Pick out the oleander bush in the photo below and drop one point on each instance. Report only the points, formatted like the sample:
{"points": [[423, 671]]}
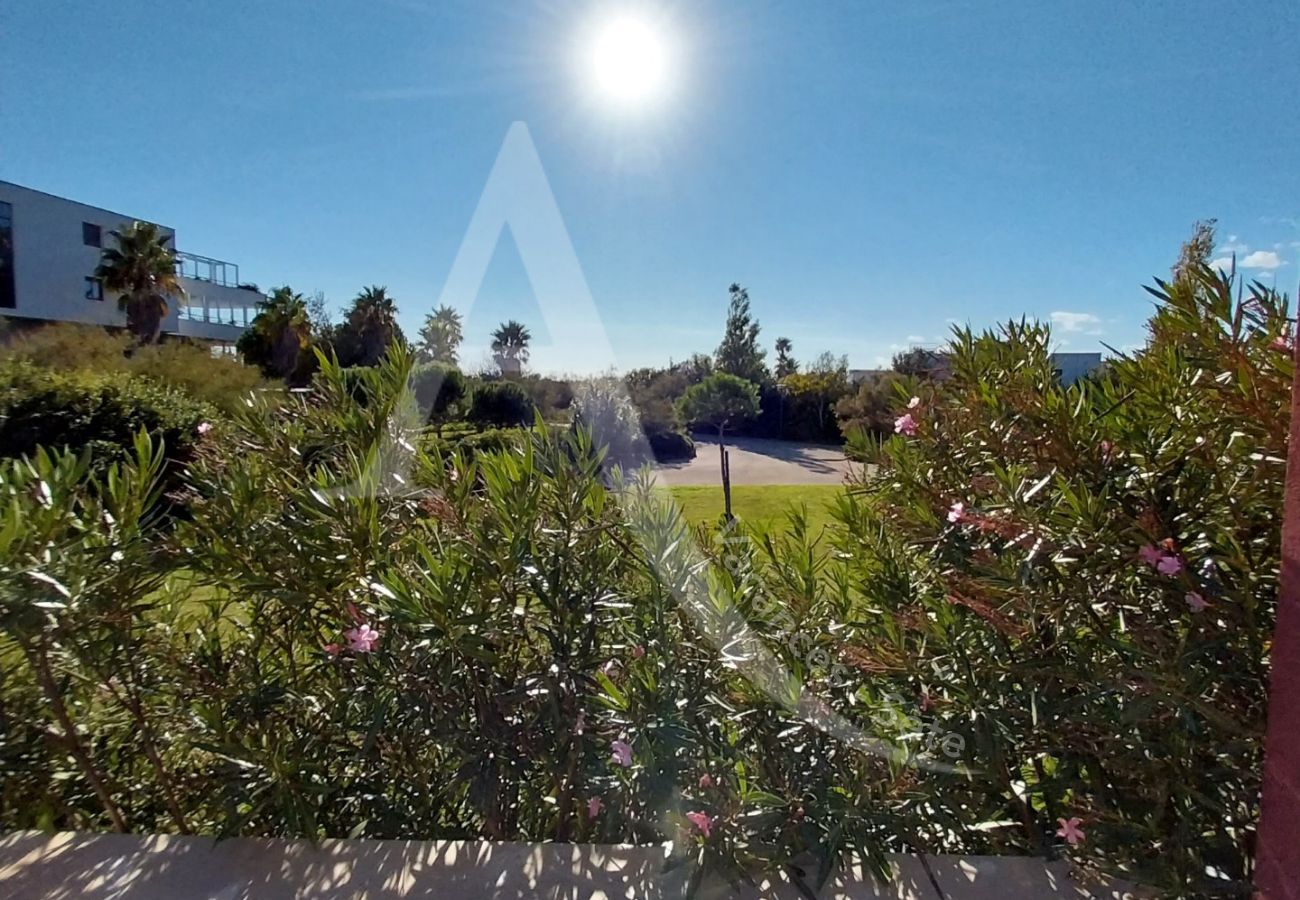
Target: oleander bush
{"points": [[1081, 583], [1040, 627]]}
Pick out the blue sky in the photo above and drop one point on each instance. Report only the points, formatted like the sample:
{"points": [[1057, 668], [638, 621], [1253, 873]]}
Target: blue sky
{"points": [[870, 171]]}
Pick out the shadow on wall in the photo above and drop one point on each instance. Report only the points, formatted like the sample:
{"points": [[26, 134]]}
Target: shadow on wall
{"points": [[126, 867]]}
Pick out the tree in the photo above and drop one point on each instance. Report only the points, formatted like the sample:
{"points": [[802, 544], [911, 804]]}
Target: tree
{"points": [[816, 391], [278, 336], [441, 335], [318, 313], [510, 346], [739, 353], [439, 389], [720, 401], [1196, 251], [918, 362], [872, 407], [368, 329], [785, 363], [695, 369], [141, 269]]}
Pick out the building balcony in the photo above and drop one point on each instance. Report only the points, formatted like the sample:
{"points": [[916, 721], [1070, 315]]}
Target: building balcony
{"points": [[209, 270]]}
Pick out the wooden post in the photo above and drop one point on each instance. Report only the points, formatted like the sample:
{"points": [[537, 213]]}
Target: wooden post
{"points": [[1277, 853], [726, 479]]}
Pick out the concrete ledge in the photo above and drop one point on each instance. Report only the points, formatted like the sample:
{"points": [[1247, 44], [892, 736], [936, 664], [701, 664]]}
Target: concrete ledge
{"points": [[66, 865]]}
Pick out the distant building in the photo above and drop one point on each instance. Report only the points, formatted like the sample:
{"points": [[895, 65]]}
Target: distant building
{"points": [[1070, 367], [50, 247]]}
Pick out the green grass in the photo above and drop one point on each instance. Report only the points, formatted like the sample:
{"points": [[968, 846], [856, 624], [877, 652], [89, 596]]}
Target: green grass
{"points": [[760, 506]]}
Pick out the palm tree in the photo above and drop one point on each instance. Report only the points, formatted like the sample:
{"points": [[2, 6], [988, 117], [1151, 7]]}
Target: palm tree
{"points": [[785, 364], [142, 271], [369, 327], [276, 338], [441, 335], [510, 346]]}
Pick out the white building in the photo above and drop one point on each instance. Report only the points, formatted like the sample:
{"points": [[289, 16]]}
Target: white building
{"points": [[50, 246]]}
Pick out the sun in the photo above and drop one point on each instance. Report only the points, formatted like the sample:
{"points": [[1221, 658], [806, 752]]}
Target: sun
{"points": [[629, 62]]}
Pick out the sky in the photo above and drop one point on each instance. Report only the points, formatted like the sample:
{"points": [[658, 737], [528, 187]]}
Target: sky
{"points": [[871, 172]]}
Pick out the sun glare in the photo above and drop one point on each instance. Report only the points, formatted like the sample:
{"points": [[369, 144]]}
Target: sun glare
{"points": [[629, 62]]}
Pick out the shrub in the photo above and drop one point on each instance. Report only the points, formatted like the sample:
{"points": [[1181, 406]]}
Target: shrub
{"points": [[671, 446], [871, 408], [221, 381], [103, 412], [477, 443], [1080, 583], [502, 404], [68, 345], [551, 396], [439, 390], [601, 407]]}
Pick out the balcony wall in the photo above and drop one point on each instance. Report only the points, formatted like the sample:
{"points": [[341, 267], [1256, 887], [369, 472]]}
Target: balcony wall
{"points": [[66, 865]]}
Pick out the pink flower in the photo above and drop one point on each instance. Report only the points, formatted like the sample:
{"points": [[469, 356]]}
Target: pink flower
{"points": [[622, 754], [1169, 565], [914, 403], [957, 512], [706, 780], [638, 651], [927, 702], [1070, 830], [1107, 451], [905, 424], [1195, 602], [333, 649], [204, 427], [1281, 343], [1151, 555], [703, 822], [362, 639], [594, 806]]}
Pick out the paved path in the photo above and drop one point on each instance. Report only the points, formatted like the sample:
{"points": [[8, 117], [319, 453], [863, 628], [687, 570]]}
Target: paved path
{"points": [[759, 461]]}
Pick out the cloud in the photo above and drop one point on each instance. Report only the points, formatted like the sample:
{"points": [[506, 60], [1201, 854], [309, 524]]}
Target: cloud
{"points": [[1223, 264], [1233, 245], [1261, 259], [1076, 322]]}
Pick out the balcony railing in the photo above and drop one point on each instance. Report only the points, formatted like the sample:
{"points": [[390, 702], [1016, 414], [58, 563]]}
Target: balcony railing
{"points": [[204, 268], [202, 311]]}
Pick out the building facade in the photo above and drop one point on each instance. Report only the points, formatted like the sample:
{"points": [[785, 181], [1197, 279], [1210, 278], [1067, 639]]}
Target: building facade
{"points": [[50, 247]]}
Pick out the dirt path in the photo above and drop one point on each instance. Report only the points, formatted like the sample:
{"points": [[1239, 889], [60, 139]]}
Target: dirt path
{"points": [[759, 461]]}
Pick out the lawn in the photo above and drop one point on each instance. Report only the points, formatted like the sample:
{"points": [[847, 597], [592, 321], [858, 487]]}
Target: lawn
{"points": [[762, 506]]}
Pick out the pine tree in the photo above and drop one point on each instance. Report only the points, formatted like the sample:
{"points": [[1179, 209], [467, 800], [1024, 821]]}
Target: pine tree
{"points": [[739, 353]]}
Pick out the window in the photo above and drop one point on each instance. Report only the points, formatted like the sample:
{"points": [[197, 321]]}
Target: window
{"points": [[7, 299], [94, 288], [91, 235]]}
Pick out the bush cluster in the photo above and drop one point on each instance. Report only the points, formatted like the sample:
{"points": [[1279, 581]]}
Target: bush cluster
{"points": [[1040, 625]]}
